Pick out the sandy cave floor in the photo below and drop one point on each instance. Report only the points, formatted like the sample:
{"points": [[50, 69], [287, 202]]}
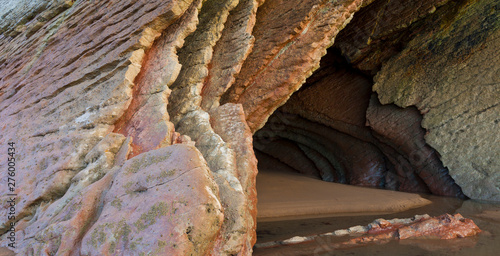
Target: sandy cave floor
{"points": [[286, 195]]}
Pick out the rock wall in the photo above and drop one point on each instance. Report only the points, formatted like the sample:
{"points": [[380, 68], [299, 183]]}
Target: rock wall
{"points": [[335, 129], [451, 73], [85, 100], [133, 120]]}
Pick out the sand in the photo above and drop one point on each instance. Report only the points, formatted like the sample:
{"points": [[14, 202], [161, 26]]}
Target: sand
{"points": [[286, 195]]}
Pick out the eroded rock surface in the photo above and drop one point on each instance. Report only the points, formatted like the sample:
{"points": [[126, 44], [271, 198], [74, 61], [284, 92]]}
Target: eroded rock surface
{"points": [[382, 231], [379, 31], [285, 55], [451, 74], [63, 89], [129, 116], [162, 202], [333, 129]]}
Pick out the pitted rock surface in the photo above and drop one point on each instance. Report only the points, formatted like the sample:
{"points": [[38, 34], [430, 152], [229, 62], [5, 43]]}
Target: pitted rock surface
{"points": [[131, 116]]}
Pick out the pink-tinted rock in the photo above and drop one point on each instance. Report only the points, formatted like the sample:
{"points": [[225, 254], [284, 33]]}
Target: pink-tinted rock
{"points": [[59, 227], [146, 119], [334, 93], [228, 121], [231, 50], [445, 226], [419, 228], [90, 92], [163, 201], [196, 57], [64, 87], [285, 55]]}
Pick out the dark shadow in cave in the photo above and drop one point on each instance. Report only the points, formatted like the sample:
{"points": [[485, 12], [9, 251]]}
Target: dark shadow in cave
{"points": [[335, 129]]}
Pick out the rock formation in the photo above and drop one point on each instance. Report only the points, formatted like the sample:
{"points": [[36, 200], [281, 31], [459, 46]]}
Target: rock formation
{"points": [[381, 231], [132, 121], [451, 74], [349, 137]]}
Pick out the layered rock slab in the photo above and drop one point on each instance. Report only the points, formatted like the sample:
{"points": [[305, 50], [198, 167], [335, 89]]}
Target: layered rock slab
{"points": [[59, 227], [224, 140], [57, 107], [146, 120], [451, 74], [161, 202], [379, 30], [230, 52], [290, 39]]}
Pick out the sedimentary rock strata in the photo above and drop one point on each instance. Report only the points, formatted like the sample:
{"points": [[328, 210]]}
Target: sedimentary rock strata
{"points": [[64, 87], [380, 31], [349, 137], [285, 55], [452, 76], [135, 115]]}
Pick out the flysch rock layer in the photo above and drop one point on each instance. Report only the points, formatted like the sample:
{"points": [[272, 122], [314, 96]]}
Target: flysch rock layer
{"points": [[146, 119], [377, 32], [451, 74], [62, 90], [229, 53], [18, 16], [133, 120], [290, 39], [162, 202], [59, 97]]}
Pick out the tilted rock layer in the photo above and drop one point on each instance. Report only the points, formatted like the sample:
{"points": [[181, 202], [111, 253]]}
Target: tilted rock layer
{"points": [[133, 120], [452, 75]]}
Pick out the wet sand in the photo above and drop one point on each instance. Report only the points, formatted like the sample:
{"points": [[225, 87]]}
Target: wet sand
{"points": [[291, 204], [286, 195], [484, 214]]}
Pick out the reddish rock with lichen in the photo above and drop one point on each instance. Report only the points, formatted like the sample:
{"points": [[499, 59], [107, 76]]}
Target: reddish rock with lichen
{"points": [[445, 226], [98, 95]]}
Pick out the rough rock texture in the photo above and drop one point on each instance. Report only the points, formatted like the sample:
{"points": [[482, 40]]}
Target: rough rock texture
{"points": [[28, 16], [96, 94], [111, 78], [230, 51], [57, 107], [161, 202], [445, 226], [451, 74], [332, 130], [147, 120], [290, 39], [230, 161], [379, 31]]}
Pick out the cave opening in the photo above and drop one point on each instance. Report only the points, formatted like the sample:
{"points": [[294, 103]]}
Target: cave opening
{"points": [[333, 137], [334, 130]]}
